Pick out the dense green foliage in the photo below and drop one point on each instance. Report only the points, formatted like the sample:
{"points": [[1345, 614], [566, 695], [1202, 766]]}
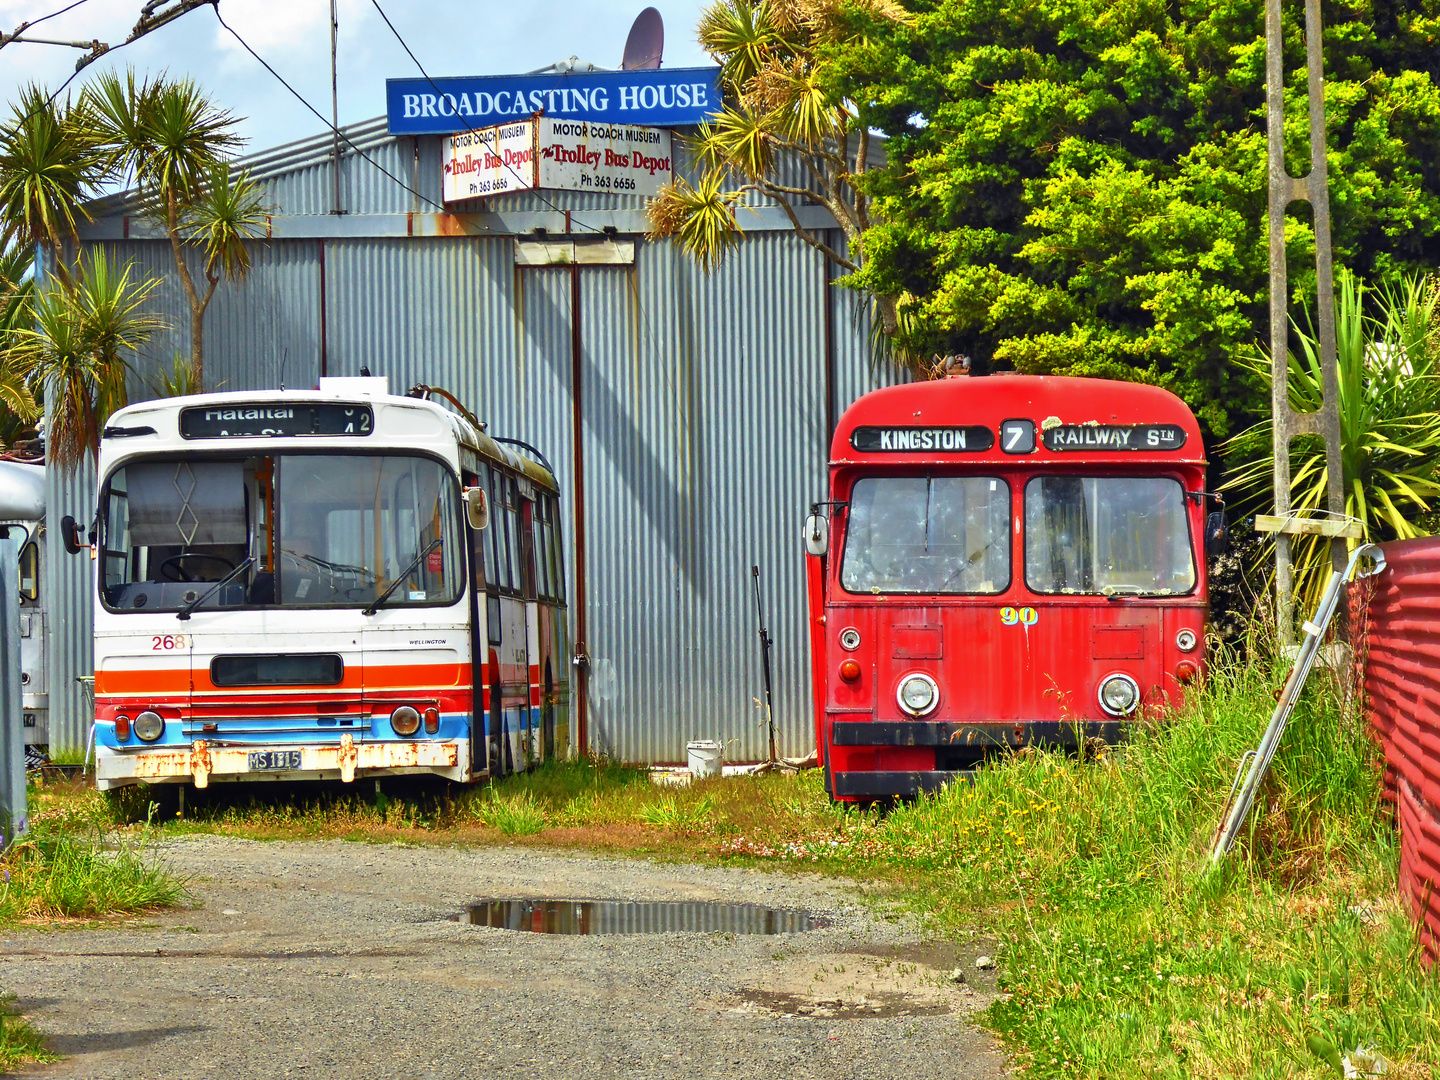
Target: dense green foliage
{"points": [[1080, 187]]}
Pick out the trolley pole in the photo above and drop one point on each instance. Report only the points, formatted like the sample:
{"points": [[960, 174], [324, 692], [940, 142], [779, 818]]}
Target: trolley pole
{"points": [[1285, 189]]}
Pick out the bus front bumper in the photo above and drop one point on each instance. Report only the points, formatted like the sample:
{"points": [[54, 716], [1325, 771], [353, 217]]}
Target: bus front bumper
{"points": [[202, 762], [954, 742]]}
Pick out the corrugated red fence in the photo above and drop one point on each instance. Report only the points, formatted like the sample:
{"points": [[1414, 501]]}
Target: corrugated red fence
{"points": [[1399, 638]]}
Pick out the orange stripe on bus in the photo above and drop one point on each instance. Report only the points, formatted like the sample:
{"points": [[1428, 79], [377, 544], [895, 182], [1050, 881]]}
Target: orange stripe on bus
{"points": [[178, 680]]}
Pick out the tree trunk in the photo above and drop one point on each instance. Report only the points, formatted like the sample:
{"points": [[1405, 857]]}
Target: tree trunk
{"points": [[197, 306]]}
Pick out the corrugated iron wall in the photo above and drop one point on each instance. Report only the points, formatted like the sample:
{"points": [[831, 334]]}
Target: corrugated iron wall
{"points": [[1402, 683], [706, 400]]}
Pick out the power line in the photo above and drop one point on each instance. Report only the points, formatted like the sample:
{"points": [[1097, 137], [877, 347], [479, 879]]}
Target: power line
{"points": [[471, 130], [333, 127], [6, 40]]}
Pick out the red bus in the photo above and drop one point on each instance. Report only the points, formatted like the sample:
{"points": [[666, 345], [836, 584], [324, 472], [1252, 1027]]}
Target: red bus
{"points": [[1003, 561]]}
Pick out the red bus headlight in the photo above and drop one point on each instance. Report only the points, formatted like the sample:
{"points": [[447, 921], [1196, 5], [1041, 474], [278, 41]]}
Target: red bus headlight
{"points": [[432, 720], [122, 729], [850, 670], [918, 694]]}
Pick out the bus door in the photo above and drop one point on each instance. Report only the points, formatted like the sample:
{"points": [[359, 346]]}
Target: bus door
{"points": [[533, 720], [510, 655], [481, 573]]}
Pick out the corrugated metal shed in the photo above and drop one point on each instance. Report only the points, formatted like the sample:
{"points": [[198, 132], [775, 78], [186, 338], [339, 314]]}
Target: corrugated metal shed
{"points": [[706, 401]]}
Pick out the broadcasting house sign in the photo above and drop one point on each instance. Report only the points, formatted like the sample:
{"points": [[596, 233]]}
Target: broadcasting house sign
{"points": [[673, 97]]}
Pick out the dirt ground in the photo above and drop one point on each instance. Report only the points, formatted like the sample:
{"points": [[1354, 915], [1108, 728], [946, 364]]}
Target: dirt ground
{"points": [[333, 959]]}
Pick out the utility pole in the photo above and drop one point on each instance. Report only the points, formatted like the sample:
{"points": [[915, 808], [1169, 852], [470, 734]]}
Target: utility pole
{"points": [[1285, 189], [335, 102]]}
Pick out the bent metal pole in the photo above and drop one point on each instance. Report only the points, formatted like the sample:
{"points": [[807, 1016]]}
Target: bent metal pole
{"points": [[1255, 763], [1283, 190]]}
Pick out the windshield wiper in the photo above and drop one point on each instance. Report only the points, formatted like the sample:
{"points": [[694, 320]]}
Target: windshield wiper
{"points": [[184, 613], [404, 574]]}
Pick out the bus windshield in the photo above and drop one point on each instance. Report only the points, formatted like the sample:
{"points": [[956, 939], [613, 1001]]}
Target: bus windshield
{"points": [[320, 530], [1107, 536], [928, 535]]}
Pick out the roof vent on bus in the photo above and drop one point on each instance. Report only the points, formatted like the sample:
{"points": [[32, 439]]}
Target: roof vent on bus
{"points": [[363, 386]]}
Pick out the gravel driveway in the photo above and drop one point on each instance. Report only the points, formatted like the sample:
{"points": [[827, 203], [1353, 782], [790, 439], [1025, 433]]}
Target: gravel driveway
{"points": [[334, 959]]}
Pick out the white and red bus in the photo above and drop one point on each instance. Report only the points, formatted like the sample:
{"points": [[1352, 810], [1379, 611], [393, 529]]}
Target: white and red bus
{"points": [[327, 584], [1006, 561]]}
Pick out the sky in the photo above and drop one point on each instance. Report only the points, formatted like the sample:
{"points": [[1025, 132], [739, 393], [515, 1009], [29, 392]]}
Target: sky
{"points": [[450, 37]]}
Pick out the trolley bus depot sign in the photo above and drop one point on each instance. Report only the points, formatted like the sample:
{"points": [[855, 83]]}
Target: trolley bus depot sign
{"points": [[1115, 437], [575, 155], [675, 97]]}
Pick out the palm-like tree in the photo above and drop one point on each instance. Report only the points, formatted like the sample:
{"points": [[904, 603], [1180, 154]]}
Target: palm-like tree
{"points": [[778, 100], [50, 164], [1389, 402], [168, 139], [77, 348], [17, 288]]}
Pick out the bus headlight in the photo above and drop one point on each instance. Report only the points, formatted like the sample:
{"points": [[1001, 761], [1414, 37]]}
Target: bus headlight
{"points": [[1119, 695], [1185, 640], [149, 726], [918, 694], [405, 720]]}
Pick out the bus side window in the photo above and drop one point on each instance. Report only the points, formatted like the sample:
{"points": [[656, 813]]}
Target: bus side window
{"points": [[545, 584], [514, 579], [526, 520], [557, 551], [499, 546], [30, 572], [479, 572]]}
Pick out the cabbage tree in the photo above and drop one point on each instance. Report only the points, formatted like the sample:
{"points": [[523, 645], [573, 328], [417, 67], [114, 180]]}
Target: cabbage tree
{"points": [[1388, 348]]}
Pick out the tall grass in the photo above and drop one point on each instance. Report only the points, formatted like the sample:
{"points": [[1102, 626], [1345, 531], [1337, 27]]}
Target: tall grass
{"points": [[69, 865]]}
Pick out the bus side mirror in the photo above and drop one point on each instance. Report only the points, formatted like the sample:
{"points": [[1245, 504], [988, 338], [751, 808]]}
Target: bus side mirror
{"points": [[70, 535], [1217, 534], [817, 535], [477, 508]]}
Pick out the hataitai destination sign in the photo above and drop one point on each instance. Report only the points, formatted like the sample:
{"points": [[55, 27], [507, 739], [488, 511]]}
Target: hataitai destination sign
{"points": [[674, 97]]}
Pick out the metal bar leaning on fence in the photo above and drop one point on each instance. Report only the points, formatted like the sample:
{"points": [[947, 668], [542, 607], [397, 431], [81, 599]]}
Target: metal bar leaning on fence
{"points": [[12, 734], [1255, 763]]}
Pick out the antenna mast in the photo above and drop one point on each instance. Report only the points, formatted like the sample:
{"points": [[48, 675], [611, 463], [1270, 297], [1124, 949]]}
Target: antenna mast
{"points": [[335, 102]]}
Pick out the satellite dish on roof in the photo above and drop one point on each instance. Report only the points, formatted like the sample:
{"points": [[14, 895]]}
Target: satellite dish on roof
{"points": [[645, 43]]}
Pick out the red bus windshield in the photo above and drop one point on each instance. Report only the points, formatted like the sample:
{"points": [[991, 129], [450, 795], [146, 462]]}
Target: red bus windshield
{"points": [[933, 535], [1111, 535]]}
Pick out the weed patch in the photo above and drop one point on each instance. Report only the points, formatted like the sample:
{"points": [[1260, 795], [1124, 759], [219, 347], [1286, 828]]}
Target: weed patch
{"points": [[19, 1042]]}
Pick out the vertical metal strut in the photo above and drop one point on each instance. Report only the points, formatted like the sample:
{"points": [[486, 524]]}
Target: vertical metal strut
{"points": [[1314, 189]]}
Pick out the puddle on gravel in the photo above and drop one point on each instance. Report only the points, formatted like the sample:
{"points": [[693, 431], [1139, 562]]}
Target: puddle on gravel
{"points": [[635, 917]]}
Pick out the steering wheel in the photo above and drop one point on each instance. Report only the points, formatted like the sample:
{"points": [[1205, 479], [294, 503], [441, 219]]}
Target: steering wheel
{"points": [[170, 569]]}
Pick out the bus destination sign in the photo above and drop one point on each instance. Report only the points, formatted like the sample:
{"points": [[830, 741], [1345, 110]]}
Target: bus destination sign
{"points": [[971, 439], [1068, 437], [242, 420]]}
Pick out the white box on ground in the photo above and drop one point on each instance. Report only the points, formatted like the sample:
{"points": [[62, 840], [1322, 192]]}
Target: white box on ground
{"points": [[705, 757]]}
